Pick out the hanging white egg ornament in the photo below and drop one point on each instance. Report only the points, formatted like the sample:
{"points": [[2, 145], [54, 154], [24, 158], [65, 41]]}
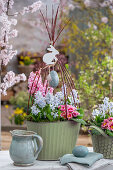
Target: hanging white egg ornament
{"points": [[54, 79]]}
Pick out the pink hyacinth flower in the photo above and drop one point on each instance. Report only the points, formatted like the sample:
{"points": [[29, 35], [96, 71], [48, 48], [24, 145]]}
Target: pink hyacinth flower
{"points": [[35, 84]]}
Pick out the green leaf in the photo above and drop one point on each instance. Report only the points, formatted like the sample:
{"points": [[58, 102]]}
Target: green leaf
{"points": [[109, 132], [80, 121], [99, 130], [67, 66], [80, 116], [81, 111], [50, 118], [92, 123], [31, 116]]}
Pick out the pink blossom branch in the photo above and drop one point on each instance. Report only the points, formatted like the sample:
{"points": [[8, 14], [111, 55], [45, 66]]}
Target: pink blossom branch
{"points": [[9, 80], [6, 53]]}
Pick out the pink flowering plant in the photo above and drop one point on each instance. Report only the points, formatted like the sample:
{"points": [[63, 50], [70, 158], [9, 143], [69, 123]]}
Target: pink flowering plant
{"points": [[102, 119], [50, 106]]}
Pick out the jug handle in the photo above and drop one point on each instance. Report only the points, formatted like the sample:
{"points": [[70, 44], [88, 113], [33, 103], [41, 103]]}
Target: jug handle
{"points": [[40, 144]]}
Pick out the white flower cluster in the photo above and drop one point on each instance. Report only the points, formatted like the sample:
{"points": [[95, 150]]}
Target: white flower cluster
{"points": [[106, 107], [32, 8], [7, 53], [104, 19], [40, 100], [53, 100], [35, 110], [74, 97], [9, 80]]}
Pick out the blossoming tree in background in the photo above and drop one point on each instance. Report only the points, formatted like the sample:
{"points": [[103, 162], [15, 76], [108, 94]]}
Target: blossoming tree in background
{"points": [[8, 32]]}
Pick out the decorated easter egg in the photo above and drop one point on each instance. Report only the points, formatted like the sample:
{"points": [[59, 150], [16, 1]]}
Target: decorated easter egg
{"points": [[54, 79], [80, 151]]}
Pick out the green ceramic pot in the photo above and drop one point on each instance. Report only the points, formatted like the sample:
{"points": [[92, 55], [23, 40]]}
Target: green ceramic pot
{"points": [[103, 145], [59, 138]]}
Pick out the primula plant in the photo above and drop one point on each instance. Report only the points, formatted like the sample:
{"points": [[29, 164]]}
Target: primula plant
{"points": [[102, 119], [50, 106]]}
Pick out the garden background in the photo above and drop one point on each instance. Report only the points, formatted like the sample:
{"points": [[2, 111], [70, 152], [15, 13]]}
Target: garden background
{"points": [[86, 48]]}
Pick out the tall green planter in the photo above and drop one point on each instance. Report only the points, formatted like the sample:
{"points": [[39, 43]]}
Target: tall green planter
{"points": [[59, 138], [103, 145]]}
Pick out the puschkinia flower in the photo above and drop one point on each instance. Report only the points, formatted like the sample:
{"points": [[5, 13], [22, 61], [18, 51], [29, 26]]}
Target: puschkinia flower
{"points": [[49, 98], [95, 112], [105, 108], [74, 97], [35, 110], [105, 124], [71, 111]]}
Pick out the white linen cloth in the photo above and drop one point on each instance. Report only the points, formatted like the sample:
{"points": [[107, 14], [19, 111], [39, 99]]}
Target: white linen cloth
{"points": [[7, 164]]}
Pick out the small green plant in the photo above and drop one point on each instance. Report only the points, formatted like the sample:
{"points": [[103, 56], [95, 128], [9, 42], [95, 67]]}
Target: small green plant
{"points": [[20, 100], [18, 117]]}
